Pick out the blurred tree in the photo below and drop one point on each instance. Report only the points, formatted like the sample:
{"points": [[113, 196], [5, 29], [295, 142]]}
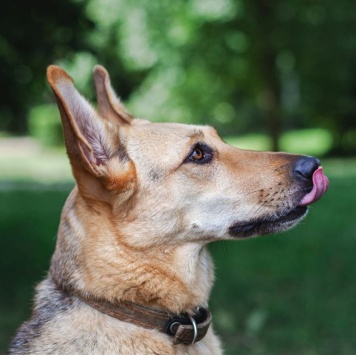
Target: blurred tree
{"points": [[32, 35], [207, 61], [326, 64], [278, 64], [240, 65]]}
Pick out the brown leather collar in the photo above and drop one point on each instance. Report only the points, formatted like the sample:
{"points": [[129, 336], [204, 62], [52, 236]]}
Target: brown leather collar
{"points": [[183, 328]]}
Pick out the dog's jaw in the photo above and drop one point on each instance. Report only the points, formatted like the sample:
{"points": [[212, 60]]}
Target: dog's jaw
{"points": [[268, 225]]}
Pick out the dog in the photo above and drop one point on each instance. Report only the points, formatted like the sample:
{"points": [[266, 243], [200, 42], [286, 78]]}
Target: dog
{"points": [[131, 273]]}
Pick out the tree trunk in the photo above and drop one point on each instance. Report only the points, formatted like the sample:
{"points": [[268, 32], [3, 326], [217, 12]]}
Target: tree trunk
{"points": [[265, 58]]}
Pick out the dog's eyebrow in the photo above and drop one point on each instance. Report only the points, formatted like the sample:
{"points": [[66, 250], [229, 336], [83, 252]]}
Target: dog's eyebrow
{"points": [[196, 134]]}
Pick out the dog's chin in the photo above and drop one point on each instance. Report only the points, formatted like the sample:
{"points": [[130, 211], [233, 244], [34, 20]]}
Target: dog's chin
{"points": [[269, 224]]}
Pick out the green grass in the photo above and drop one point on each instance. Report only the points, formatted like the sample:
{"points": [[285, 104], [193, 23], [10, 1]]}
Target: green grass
{"points": [[28, 224]]}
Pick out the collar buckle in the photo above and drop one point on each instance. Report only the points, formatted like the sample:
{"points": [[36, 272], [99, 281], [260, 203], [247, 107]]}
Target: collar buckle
{"points": [[184, 329], [188, 329]]}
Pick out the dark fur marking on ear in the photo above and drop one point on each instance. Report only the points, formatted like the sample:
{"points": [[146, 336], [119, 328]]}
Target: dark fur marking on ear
{"points": [[123, 156]]}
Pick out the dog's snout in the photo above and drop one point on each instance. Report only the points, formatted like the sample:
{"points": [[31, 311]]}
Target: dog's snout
{"points": [[305, 167]]}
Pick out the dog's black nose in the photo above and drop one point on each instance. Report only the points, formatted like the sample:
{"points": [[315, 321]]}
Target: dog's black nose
{"points": [[305, 167]]}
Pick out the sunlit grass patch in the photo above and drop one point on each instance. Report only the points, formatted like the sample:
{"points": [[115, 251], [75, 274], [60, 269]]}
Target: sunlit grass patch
{"points": [[250, 141], [24, 159], [45, 167], [307, 141]]}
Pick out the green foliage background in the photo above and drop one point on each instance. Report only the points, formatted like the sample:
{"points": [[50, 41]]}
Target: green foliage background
{"points": [[240, 65]]}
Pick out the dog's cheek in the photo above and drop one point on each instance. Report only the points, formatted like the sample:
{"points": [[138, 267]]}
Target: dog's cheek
{"points": [[209, 217]]}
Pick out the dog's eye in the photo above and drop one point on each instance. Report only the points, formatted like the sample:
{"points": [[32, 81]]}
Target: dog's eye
{"points": [[200, 154], [197, 154]]}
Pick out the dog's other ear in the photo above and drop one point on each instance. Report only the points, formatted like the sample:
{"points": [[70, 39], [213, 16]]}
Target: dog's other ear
{"points": [[92, 142], [109, 105]]}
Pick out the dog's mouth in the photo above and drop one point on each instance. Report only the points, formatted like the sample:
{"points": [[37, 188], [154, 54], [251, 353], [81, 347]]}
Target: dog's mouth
{"points": [[278, 223], [268, 225]]}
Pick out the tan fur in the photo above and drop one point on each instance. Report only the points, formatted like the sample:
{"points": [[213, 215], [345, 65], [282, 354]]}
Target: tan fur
{"points": [[136, 226]]}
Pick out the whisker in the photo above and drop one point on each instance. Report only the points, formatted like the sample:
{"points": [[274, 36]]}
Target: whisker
{"points": [[258, 207]]}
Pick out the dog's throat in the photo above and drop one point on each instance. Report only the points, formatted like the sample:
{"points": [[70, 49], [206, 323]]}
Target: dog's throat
{"points": [[182, 328]]}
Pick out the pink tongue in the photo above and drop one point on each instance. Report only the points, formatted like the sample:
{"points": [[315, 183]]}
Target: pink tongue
{"points": [[320, 185]]}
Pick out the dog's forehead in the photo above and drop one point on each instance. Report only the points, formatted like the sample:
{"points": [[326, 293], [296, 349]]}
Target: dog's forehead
{"points": [[169, 133], [167, 143]]}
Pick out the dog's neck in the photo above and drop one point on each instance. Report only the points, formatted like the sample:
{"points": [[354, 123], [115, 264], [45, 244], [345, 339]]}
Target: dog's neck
{"points": [[177, 278]]}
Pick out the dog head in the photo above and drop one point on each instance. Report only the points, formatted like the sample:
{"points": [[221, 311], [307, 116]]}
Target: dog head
{"points": [[177, 183]]}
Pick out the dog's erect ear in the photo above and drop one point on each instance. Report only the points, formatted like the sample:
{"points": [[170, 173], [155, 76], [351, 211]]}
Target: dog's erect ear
{"points": [[109, 105], [86, 135]]}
